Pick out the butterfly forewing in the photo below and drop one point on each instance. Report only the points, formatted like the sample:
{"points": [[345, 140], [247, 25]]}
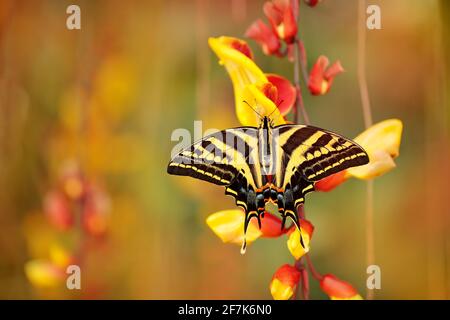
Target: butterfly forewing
{"points": [[220, 157], [313, 153]]}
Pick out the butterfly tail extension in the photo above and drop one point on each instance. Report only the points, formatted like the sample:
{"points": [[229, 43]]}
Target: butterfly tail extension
{"points": [[246, 198], [293, 198]]}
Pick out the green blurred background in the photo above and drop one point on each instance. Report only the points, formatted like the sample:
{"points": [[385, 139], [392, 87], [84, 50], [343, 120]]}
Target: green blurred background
{"points": [[107, 97]]}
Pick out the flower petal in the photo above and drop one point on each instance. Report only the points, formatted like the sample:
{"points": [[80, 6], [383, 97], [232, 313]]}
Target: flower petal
{"points": [[293, 242], [337, 289], [58, 211], [264, 36], [331, 182], [382, 143], [321, 76], [247, 79], [282, 18], [284, 282], [286, 92], [271, 226], [228, 225], [60, 256], [43, 273]]}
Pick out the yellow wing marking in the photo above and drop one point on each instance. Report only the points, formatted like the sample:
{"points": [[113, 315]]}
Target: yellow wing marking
{"points": [[297, 156]]}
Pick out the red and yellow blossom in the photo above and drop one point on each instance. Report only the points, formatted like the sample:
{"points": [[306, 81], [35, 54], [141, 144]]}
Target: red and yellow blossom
{"points": [[337, 289], [259, 94], [75, 198], [284, 282], [228, 225], [251, 85], [286, 92], [282, 17], [293, 242], [265, 37], [321, 76], [57, 209], [271, 226], [382, 143], [51, 271], [43, 273]]}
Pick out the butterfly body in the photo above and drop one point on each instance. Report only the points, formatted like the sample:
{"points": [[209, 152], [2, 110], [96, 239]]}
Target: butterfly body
{"points": [[277, 164]]}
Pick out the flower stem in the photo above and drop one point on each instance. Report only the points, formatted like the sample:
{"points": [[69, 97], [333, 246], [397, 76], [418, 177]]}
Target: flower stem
{"points": [[364, 91], [316, 275], [304, 280], [367, 114], [302, 57], [202, 57], [299, 101], [305, 283]]}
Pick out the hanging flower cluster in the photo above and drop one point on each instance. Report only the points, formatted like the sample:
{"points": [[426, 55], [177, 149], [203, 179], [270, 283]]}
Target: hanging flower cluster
{"points": [[75, 199], [75, 207], [73, 225], [269, 92]]}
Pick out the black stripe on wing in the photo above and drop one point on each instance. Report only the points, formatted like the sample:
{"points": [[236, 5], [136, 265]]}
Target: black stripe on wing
{"points": [[211, 159], [327, 154]]}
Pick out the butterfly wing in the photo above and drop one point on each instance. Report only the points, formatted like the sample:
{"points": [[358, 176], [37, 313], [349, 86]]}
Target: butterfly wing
{"points": [[315, 153], [302, 155], [228, 158], [307, 154]]}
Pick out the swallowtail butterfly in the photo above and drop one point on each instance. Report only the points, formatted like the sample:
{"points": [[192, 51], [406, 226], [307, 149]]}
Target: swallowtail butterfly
{"points": [[279, 164]]}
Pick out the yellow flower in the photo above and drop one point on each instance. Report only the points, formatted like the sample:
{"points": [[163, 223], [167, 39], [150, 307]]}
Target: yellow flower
{"points": [[43, 273], [228, 225], [248, 81], [381, 142], [60, 255], [293, 242], [280, 291]]}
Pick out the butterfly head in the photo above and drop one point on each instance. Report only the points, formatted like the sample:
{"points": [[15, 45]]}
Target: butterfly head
{"points": [[266, 122]]}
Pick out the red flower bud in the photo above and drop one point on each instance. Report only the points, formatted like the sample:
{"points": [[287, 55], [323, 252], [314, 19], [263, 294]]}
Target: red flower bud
{"points": [[282, 18], [337, 289], [284, 282], [96, 211], [57, 208], [321, 77], [264, 36], [331, 182]]}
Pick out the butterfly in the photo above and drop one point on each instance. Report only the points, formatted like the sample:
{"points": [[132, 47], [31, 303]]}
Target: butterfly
{"points": [[277, 164]]}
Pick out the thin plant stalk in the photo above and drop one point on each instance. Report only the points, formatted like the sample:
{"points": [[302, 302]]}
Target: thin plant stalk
{"points": [[367, 114]]}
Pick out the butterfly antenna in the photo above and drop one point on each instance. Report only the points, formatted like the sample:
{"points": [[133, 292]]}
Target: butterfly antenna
{"points": [[253, 109], [280, 115]]}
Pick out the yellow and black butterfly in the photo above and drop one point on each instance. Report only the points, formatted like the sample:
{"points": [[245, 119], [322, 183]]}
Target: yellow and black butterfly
{"points": [[279, 164]]}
